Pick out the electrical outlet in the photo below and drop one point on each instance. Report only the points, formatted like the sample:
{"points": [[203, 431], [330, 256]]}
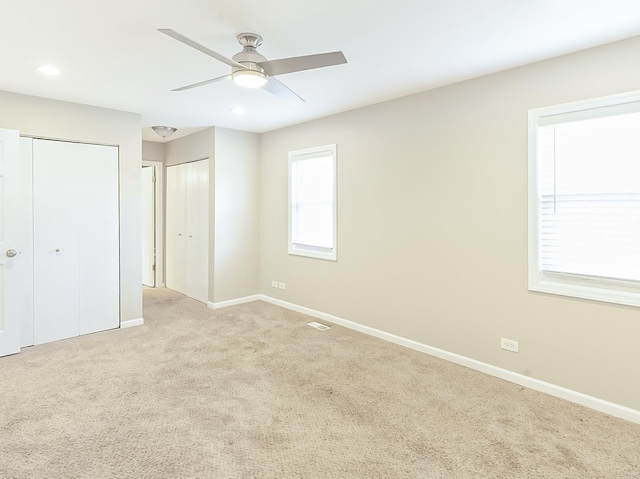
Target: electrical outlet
{"points": [[509, 344], [274, 284], [282, 286]]}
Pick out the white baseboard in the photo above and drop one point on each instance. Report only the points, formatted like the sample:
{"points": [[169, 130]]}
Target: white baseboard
{"points": [[131, 322], [233, 302], [601, 405]]}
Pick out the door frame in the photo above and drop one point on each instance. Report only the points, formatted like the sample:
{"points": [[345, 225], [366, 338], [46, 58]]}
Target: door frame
{"points": [[159, 219]]}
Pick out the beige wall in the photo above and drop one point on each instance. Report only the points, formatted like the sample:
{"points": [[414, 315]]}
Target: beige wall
{"points": [[197, 146], [236, 215], [152, 151], [432, 226], [42, 117]]}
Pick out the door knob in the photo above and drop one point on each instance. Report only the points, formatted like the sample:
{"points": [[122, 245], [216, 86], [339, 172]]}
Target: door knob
{"points": [[11, 253]]}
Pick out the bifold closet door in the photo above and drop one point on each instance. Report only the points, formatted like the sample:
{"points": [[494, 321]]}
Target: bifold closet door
{"points": [[176, 228], [197, 204], [187, 264], [75, 229]]}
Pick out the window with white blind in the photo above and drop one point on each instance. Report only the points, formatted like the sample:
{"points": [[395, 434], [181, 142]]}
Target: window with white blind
{"points": [[584, 199], [312, 202]]}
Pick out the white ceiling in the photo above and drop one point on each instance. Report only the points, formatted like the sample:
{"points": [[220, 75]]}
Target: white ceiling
{"points": [[112, 55]]}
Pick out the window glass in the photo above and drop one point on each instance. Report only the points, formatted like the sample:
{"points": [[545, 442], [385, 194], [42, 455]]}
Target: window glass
{"points": [[312, 202]]}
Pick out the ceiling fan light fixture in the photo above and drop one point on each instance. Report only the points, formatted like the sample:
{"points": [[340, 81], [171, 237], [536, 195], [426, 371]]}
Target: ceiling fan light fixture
{"points": [[164, 131], [249, 78]]}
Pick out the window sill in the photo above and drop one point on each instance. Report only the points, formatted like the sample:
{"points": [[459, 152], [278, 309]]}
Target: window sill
{"points": [[594, 293], [313, 253]]}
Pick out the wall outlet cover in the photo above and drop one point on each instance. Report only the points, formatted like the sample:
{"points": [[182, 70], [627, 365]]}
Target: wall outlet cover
{"points": [[509, 344]]}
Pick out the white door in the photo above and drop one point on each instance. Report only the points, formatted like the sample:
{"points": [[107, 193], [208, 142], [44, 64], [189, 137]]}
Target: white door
{"points": [[56, 234], [10, 287], [75, 228], [187, 266], [197, 252], [99, 242], [176, 228], [148, 226]]}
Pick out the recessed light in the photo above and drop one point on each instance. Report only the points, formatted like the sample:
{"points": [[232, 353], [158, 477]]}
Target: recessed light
{"points": [[49, 70], [238, 110]]}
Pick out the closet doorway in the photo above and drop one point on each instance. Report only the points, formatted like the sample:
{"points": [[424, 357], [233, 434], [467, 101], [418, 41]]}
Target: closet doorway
{"points": [[188, 229], [70, 197]]}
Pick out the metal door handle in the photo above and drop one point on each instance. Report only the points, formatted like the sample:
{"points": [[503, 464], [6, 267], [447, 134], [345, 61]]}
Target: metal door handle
{"points": [[11, 253]]}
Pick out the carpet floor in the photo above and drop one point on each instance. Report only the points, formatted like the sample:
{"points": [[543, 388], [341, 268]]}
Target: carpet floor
{"points": [[251, 391]]}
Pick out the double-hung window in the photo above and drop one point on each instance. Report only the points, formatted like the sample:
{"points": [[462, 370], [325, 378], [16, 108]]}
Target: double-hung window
{"points": [[312, 202], [584, 199]]}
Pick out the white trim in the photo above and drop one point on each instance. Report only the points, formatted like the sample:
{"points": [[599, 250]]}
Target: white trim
{"points": [[591, 402], [158, 167], [577, 286], [233, 302], [131, 322]]}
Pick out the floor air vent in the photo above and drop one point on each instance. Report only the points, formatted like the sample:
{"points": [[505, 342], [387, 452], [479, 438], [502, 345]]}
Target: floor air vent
{"points": [[318, 326]]}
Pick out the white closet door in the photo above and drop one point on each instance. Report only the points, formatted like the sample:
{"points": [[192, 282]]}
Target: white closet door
{"points": [[76, 239], [56, 241], [98, 245], [197, 186], [176, 228]]}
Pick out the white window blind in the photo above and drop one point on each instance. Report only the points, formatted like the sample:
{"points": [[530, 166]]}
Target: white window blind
{"points": [[589, 197], [312, 208]]}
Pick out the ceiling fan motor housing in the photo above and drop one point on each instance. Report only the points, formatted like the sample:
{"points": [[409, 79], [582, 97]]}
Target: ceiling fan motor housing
{"points": [[249, 57]]}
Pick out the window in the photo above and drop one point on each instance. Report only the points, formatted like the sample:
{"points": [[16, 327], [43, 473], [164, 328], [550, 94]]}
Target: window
{"points": [[312, 202], [584, 199]]}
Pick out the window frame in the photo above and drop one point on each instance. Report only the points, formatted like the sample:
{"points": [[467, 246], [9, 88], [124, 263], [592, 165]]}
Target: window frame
{"points": [[309, 250], [623, 292]]}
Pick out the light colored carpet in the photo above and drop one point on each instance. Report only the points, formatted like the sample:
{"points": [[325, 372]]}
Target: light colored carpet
{"points": [[252, 392]]}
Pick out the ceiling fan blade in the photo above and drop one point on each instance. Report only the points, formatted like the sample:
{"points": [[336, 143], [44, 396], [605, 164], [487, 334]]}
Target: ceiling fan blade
{"points": [[206, 82], [308, 62], [279, 89], [197, 46]]}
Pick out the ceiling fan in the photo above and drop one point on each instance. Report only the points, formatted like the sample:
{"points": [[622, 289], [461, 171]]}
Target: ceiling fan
{"points": [[251, 70]]}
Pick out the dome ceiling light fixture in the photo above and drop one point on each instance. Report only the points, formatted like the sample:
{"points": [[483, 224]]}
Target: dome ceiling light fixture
{"points": [[164, 131]]}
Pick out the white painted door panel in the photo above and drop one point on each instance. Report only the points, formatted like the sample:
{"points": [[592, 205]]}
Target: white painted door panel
{"points": [[148, 226], [187, 263], [98, 243], [76, 239], [56, 233], [197, 186], [10, 267], [176, 228]]}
